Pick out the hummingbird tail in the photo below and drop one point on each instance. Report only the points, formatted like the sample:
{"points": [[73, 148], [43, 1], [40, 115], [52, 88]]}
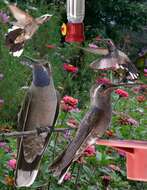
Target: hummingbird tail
{"points": [[63, 173], [25, 178]]}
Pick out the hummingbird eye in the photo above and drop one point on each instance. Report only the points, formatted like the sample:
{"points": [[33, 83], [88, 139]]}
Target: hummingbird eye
{"points": [[104, 86]]}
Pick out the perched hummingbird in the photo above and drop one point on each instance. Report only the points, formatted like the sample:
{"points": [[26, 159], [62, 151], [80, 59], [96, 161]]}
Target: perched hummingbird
{"points": [[116, 60], [23, 29], [39, 110], [92, 126]]}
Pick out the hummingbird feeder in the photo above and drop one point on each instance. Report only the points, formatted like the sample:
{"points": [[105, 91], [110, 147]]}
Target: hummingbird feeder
{"points": [[75, 17], [136, 156]]}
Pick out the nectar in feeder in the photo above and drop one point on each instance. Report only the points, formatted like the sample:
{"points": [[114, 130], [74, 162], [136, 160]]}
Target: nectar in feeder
{"points": [[75, 17]]}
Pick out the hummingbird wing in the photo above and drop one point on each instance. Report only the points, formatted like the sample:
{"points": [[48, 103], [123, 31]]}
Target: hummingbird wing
{"points": [[98, 51], [83, 137], [16, 36], [106, 63], [31, 148], [126, 64], [21, 16]]}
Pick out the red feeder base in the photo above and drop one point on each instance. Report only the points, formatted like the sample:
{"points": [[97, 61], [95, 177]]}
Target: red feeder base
{"points": [[75, 32], [136, 156]]}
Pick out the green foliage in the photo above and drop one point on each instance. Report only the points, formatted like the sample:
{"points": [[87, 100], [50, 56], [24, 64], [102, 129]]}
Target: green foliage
{"points": [[110, 17]]}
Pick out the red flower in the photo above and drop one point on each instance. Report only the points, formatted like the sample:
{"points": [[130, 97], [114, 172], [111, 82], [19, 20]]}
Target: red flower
{"points": [[122, 93], [70, 68], [67, 176], [90, 151], [141, 99], [50, 46], [103, 81], [70, 100], [68, 103]]}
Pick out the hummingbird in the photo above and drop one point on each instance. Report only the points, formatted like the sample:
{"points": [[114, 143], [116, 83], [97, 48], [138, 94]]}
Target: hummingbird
{"points": [[40, 109], [117, 61], [93, 126], [22, 29]]}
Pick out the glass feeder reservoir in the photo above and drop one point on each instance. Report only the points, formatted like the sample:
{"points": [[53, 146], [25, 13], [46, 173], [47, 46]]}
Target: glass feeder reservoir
{"points": [[75, 17]]}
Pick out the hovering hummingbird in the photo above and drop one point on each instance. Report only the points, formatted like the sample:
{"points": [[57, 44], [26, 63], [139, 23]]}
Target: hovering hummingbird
{"points": [[116, 60], [23, 29], [92, 126], [39, 110]]}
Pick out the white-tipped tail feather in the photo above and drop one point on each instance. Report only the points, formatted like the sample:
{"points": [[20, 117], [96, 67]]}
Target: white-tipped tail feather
{"points": [[17, 53], [25, 178]]}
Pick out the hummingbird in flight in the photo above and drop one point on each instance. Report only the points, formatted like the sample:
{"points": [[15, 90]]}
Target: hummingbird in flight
{"points": [[22, 29], [116, 61]]}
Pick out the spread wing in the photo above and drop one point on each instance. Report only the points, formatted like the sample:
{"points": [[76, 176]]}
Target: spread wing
{"points": [[106, 63], [22, 17], [126, 64]]}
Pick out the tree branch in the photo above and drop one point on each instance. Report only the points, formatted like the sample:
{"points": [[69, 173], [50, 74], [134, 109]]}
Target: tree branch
{"points": [[37, 131]]}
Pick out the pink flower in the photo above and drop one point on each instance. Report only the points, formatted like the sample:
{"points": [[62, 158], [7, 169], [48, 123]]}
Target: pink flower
{"points": [[72, 123], [68, 176], [12, 164], [90, 151], [128, 121], [70, 68], [3, 17], [103, 81], [132, 121], [93, 46], [2, 144], [141, 99], [68, 103], [122, 93]]}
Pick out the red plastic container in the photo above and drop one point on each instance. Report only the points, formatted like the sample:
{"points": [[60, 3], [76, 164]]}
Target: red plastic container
{"points": [[136, 156], [75, 32]]}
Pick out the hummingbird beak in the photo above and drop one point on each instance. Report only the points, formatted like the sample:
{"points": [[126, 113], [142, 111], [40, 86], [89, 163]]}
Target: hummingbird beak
{"points": [[124, 84], [103, 39], [29, 60]]}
